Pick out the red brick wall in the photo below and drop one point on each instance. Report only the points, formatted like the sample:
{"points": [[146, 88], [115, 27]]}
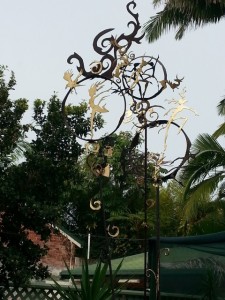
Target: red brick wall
{"points": [[61, 250]]}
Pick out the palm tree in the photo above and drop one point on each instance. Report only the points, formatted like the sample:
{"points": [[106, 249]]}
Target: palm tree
{"points": [[183, 15], [204, 175], [221, 112]]}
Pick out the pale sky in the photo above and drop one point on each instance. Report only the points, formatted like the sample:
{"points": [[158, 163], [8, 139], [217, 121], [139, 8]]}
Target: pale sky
{"points": [[38, 36]]}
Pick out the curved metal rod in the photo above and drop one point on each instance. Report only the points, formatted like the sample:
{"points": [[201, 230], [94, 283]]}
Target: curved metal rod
{"points": [[152, 63], [116, 90], [172, 174]]}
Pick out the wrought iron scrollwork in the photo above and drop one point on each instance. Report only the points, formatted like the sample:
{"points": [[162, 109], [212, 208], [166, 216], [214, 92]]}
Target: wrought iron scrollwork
{"points": [[119, 74]]}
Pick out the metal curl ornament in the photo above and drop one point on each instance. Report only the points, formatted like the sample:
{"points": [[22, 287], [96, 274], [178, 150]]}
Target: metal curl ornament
{"points": [[95, 204], [149, 272], [96, 67], [144, 112], [165, 251], [109, 47], [150, 203], [115, 229]]}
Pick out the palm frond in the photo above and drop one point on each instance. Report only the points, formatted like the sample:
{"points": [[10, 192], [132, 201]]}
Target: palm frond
{"points": [[221, 112], [183, 14], [157, 2], [219, 132], [221, 192], [204, 189], [162, 22], [221, 108], [202, 166], [180, 32], [206, 142], [210, 156], [195, 203]]}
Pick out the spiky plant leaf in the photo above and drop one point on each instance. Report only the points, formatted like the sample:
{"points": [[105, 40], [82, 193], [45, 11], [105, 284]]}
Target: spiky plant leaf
{"points": [[206, 142], [220, 131], [95, 287], [183, 14], [221, 112], [204, 188], [68, 293], [221, 108], [210, 158]]}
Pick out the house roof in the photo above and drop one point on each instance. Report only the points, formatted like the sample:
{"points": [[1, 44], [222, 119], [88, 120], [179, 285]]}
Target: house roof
{"points": [[72, 237]]}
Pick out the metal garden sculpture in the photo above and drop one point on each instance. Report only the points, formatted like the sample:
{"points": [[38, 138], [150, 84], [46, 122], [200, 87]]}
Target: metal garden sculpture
{"points": [[113, 80]]}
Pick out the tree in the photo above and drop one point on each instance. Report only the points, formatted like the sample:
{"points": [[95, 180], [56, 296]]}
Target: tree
{"points": [[221, 112], [171, 209], [204, 176], [183, 14], [35, 192], [12, 134]]}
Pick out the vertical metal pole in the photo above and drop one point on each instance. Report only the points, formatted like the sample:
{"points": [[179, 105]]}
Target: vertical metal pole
{"points": [[152, 268], [107, 243], [89, 245], [157, 244], [145, 213]]}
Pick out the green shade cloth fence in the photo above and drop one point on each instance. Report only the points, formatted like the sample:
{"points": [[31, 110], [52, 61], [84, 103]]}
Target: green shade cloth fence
{"points": [[191, 265]]}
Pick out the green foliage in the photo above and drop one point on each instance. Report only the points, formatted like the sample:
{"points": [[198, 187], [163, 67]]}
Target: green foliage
{"points": [[19, 257], [183, 15], [120, 193], [170, 209], [96, 287], [123, 197], [203, 178], [11, 113], [221, 112], [35, 192], [201, 167]]}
